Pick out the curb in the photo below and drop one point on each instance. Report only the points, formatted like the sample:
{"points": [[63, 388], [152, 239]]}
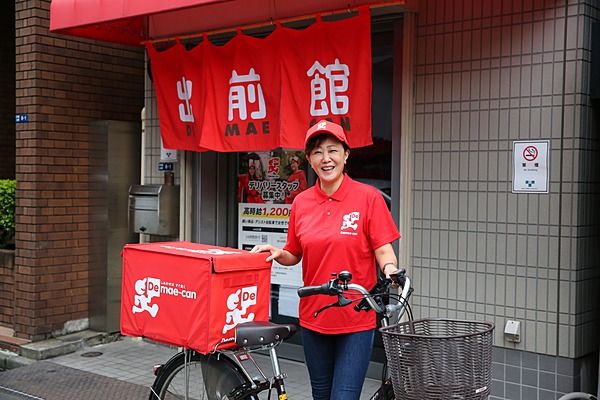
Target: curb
{"points": [[44, 349], [10, 360]]}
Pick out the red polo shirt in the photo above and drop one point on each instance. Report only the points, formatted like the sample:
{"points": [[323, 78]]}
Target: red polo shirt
{"points": [[336, 233]]}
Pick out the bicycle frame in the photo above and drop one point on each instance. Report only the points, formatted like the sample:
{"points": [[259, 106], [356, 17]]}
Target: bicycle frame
{"points": [[253, 337], [267, 382]]}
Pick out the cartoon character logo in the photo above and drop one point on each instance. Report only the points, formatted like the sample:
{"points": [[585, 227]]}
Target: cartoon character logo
{"points": [[146, 289], [238, 304], [350, 221]]}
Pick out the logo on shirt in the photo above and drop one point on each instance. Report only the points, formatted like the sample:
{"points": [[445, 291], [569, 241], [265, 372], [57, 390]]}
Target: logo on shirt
{"points": [[350, 222]]}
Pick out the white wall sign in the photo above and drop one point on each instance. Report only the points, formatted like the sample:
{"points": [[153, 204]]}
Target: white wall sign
{"points": [[167, 155], [531, 166]]}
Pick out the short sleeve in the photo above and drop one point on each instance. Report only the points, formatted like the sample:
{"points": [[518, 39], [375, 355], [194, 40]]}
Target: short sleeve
{"points": [[382, 228], [292, 244]]}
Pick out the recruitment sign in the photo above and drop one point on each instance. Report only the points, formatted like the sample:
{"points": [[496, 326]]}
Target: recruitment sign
{"points": [[268, 182]]}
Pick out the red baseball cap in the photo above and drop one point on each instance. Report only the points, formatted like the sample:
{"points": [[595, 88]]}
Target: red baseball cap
{"points": [[325, 126]]}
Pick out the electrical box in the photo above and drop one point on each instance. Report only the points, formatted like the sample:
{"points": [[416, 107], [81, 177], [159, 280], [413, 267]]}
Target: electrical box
{"points": [[154, 209], [512, 331]]}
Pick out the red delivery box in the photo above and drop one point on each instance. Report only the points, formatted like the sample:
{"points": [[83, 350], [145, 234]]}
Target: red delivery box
{"points": [[192, 295]]}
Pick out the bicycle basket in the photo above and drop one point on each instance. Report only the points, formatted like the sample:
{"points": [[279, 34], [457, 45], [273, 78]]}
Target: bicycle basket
{"points": [[431, 359]]}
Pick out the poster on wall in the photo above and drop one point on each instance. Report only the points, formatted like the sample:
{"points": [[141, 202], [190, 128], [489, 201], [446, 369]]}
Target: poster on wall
{"points": [[268, 182]]}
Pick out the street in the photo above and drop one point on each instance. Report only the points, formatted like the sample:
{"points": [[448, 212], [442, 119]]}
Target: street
{"points": [[7, 394], [44, 380]]}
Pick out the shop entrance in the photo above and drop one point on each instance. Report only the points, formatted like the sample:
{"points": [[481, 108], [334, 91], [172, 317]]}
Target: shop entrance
{"points": [[222, 185]]}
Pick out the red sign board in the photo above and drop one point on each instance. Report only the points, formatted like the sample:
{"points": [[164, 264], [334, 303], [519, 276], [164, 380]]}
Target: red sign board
{"points": [[254, 94], [192, 295]]}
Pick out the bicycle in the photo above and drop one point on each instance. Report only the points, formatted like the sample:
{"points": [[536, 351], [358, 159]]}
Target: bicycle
{"points": [[225, 374]]}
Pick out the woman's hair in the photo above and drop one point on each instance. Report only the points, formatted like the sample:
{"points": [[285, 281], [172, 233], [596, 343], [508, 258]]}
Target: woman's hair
{"points": [[253, 174]]}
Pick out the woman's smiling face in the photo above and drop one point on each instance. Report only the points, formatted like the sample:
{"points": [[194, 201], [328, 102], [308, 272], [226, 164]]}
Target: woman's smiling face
{"points": [[328, 160], [294, 165]]}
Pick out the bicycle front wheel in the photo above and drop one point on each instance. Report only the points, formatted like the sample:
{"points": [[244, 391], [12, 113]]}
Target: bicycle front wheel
{"points": [[207, 378], [385, 392]]}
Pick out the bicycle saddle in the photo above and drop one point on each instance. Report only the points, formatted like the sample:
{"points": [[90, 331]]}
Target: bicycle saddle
{"points": [[257, 333]]}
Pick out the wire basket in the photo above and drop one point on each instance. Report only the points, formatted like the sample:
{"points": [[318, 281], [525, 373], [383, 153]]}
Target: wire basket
{"points": [[430, 359]]}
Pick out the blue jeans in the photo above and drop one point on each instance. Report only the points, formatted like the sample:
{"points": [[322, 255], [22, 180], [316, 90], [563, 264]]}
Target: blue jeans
{"points": [[337, 364]]}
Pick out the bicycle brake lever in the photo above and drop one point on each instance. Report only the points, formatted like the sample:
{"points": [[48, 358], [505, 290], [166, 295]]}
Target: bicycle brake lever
{"points": [[381, 287], [342, 301]]}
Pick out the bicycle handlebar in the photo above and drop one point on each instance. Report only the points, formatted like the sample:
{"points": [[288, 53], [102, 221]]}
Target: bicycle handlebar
{"points": [[371, 299], [306, 291]]}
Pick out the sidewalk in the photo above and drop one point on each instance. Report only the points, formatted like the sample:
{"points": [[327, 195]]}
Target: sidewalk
{"points": [[128, 360]]}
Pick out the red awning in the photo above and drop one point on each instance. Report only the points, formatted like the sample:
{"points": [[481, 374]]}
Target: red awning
{"points": [[119, 21], [133, 21]]}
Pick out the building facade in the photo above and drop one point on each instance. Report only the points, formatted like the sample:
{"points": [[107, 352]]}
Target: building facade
{"points": [[458, 86]]}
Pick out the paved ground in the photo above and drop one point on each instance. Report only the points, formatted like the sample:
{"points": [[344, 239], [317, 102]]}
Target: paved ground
{"points": [[119, 370], [50, 381]]}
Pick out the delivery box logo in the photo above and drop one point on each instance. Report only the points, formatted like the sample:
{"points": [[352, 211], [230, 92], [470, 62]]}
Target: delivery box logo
{"points": [[238, 304], [148, 288]]}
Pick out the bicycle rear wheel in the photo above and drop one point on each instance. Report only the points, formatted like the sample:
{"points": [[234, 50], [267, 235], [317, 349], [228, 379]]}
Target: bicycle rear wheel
{"points": [[208, 377]]}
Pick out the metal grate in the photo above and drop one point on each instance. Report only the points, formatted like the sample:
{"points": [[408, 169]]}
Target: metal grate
{"points": [[431, 359]]}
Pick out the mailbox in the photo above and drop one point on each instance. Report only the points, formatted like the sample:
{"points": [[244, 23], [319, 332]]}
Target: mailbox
{"points": [[154, 209]]}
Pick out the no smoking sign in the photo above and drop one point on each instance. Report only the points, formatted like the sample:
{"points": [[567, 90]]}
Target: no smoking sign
{"points": [[530, 153], [530, 166]]}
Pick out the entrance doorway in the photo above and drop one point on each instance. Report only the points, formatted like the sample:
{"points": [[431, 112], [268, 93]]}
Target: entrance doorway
{"points": [[216, 183]]}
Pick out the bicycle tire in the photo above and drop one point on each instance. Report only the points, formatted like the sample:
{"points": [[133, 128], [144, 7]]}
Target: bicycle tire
{"points": [[210, 378]]}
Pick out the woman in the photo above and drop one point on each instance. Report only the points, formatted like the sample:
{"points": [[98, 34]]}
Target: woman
{"points": [[297, 175], [247, 186], [338, 224]]}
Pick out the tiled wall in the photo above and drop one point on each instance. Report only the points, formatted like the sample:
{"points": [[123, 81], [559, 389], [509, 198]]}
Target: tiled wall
{"points": [[152, 145], [523, 375], [490, 73], [152, 155]]}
